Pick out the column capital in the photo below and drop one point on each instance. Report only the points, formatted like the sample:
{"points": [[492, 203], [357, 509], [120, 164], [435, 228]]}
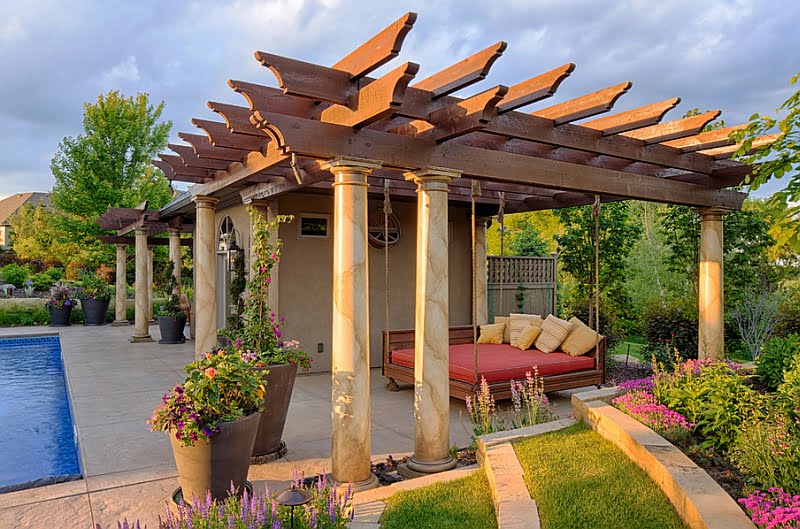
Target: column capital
{"points": [[121, 246], [140, 230], [174, 231], [342, 164], [433, 177], [258, 203], [205, 201], [712, 213]]}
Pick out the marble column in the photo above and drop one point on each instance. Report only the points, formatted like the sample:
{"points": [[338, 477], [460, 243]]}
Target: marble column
{"points": [[205, 263], [141, 332], [122, 287], [175, 254], [350, 450], [431, 346], [481, 290], [711, 331], [150, 296]]}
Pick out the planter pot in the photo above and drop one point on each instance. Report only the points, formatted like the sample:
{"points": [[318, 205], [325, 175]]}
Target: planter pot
{"points": [[94, 311], [59, 316], [171, 328], [212, 465], [280, 383]]}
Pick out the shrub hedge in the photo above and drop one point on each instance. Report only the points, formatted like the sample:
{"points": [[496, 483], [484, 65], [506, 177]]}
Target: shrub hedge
{"points": [[20, 312]]}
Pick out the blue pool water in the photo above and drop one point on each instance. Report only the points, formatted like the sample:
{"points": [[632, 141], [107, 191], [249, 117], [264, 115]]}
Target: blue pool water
{"points": [[37, 439]]}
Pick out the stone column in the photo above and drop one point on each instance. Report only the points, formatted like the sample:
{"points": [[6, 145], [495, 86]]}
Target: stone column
{"points": [[122, 287], [431, 371], [141, 332], [481, 289], [205, 263], [175, 253], [711, 331], [350, 450], [150, 296]]}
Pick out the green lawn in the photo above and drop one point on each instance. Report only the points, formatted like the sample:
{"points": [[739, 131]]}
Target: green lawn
{"points": [[636, 349], [462, 504], [579, 479]]}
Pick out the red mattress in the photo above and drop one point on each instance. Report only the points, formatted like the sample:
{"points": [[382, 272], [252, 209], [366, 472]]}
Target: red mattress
{"points": [[501, 363]]}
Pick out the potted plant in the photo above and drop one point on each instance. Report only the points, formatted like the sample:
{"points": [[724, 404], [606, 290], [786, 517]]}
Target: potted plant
{"points": [[171, 317], [95, 295], [258, 337], [60, 304], [212, 420]]}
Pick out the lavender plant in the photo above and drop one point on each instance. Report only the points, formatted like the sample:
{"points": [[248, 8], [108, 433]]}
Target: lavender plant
{"points": [[531, 405]]}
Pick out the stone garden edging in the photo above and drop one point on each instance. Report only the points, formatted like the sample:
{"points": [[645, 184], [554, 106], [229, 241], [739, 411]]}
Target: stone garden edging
{"points": [[700, 501]]}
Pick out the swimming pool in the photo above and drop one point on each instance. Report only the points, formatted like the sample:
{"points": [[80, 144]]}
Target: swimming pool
{"points": [[38, 445]]}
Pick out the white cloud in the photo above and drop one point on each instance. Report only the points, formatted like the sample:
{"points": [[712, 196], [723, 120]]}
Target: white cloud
{"points": [[125, 72]]}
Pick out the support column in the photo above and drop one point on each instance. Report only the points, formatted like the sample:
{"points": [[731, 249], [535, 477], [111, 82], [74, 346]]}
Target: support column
{"points": [[481, 290], [175, 254], [122, 287], [431, 337], [141, 332], [205, 263], [350, 450], [711, 329], [150, 296]]}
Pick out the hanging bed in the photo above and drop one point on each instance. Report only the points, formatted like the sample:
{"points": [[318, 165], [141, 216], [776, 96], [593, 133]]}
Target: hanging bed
{"points": [[497, 363]]}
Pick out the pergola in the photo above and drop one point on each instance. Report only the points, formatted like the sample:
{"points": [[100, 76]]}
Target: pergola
{"points": [[337, 124]]}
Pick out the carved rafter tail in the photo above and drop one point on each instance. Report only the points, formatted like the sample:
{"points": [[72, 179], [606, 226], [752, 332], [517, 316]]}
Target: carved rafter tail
{"points": [[304, 79], [236, 118], [584, 106], [378, 50], [535, 89], [220, 136], [673, 129], [166, 168], [190, 159], [260, 96], [202, 147], [377, 100], [632, 119], [466, 116], [722, 153], [463, 73], [705, 140]]}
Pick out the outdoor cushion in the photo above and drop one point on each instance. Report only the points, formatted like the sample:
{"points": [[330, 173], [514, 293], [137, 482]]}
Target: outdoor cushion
{"points": [[554, 331], [492, 333], [507, 331], [501, 363], [581, 339], [527, 337], [520, 321]]}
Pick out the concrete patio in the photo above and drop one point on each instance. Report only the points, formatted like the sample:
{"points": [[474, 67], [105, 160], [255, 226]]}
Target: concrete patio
{"points": [[129, 470]]}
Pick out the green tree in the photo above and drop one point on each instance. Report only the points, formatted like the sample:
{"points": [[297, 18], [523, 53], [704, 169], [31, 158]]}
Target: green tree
{"points": [[529, 243], [108, 166], [544, 223], [618, 234]]}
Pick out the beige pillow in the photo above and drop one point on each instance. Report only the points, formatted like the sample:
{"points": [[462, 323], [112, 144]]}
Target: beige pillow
{"points": [[554, 331], [527, 337], [492, 333], [520, 321], [580, 340], [507, 331]]}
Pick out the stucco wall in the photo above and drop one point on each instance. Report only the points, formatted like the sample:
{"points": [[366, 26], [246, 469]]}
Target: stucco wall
{"points": [[5, 239], [306, 276]]}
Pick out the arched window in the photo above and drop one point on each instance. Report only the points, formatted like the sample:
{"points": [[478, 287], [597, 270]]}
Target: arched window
{"points": [[227, 235]]}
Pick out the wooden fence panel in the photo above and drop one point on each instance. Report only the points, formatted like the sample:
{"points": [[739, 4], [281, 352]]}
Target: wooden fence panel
{"points": [[529, 285]]}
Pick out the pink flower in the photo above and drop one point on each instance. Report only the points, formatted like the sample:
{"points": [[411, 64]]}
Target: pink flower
{"points": [[211, 372], [263, 269], [269, 280], [273, 256]]}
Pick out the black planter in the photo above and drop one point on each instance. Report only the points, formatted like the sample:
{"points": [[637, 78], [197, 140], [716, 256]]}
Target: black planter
{"points": [[59, 316], [171, 328], [94, 311]]}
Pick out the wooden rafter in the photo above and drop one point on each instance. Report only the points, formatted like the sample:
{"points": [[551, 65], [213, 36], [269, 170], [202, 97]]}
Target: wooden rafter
{"points": [[463, 73], [236, 118], [705, 140], [673, 129], [722, 153], [220, 136], [191, 159], [166, 168], [304, 79], [260, 96], [181, 169], [632, 119], [378, 50], [584, 106], [203, 148], [535, 89]]}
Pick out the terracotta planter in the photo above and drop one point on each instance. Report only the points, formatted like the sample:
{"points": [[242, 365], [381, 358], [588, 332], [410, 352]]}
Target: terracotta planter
{"points": [[59, 316], [214, 464], [280, 383], [94, 311], [171, 328]]}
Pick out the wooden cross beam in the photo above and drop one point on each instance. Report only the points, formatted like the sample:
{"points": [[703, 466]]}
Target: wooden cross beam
{"points": [[723, 153], [236, 118], [673, 129], [463, 73], [190, 159], [633, 119], [378, 50], [584, 106], [535, 89], [220, 136], [705, 140], [203, 148]]}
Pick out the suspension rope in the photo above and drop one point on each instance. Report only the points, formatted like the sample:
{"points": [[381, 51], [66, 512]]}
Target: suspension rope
{"points": [[596, 215], [387, 210], [501, 220], [476, 192]]}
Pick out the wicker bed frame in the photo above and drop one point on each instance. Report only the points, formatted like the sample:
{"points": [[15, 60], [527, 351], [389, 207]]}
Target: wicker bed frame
{"points": [[404, 339]]}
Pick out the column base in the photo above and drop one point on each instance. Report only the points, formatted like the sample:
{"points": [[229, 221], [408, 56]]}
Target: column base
{"points": [[120, 323], [141, 339], [431, 467], [359, 486]]}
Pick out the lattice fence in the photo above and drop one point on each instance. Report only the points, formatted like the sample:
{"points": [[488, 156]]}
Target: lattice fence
{"points": [[529, 285]]}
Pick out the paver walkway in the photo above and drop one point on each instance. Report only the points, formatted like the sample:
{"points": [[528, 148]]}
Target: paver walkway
{"points": [[115, 385]]}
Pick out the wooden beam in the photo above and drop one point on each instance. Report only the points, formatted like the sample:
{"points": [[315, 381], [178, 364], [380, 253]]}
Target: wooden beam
{"points": [[236, 118], [254, 163], [166, 168], [181, 168], [375, 101], [378, 50], [151, 241], [722, 153], [633, 119], [304, 79], [535, 89], [220, 136], [260, 96], [584, 106], [202, 147], [463, 73], [190, 159], [705, 140], [323, 140], [673, 129]]}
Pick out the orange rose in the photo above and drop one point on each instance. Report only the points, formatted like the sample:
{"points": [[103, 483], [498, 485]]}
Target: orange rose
{"points": [[211, 372]]}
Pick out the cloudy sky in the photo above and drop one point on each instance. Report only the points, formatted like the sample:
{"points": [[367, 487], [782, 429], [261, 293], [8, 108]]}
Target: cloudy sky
{"points": [[737, 55]]}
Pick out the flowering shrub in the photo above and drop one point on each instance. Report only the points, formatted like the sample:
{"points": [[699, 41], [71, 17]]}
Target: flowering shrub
{"points": [[774, 509], [60, 296], [637, 384], [94, 287], [220, 387], [531, 405], [483, 411], [643, 407]]}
